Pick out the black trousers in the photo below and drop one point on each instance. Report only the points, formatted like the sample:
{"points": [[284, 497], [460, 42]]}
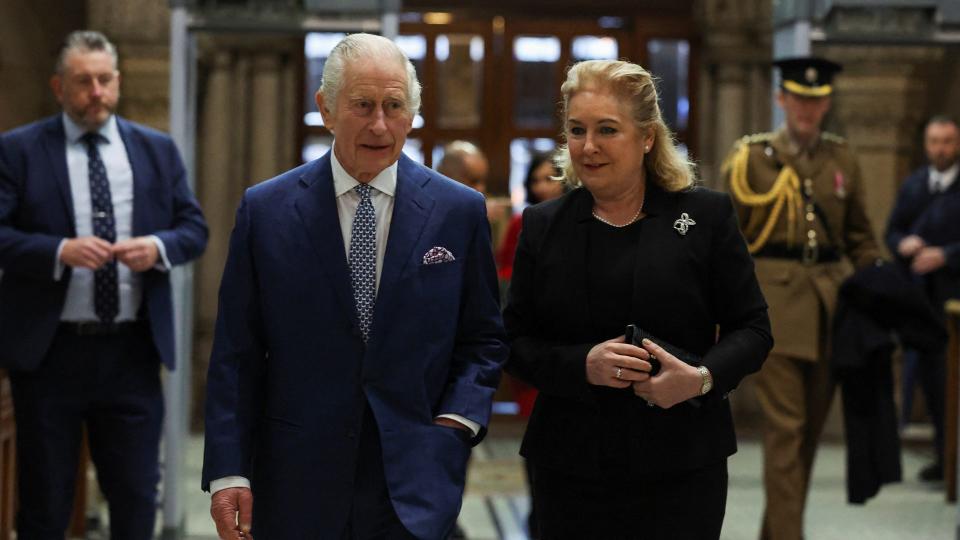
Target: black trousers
{"points": [[688, 505], [111, 384], [932, 369]]}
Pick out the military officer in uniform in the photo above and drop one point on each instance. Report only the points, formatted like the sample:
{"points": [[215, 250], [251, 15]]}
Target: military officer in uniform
{"points": [[799, 197]]}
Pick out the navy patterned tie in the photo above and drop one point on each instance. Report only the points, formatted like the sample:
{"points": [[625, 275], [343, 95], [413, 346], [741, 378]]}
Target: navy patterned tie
{"points": [[106, 293], [363, 259]]}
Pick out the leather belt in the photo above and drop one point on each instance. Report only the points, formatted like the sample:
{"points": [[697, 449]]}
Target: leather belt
{"points": [[94, 328], [822, 254]]}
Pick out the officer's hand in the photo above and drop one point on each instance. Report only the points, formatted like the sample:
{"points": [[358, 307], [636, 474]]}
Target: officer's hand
{"points": [[140, 254], [910, 245], [676, 382], [616, 364], [232, 512], [86, 252], [928, 260]]}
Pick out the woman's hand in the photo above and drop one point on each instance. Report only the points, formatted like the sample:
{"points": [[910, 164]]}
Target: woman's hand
{"points": [[617, 364], [676, 382]]}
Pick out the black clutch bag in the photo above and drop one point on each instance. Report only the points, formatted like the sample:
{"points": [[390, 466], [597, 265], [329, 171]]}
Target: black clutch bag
{"points": [[635, 336]]}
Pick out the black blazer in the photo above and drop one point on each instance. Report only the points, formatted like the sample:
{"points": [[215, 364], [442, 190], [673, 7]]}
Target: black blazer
{"points": [[933, 218], [685, 287]]}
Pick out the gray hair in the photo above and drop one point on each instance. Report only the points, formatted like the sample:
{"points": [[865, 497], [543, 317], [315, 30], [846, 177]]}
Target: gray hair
{"points": [[363, 45], [84, 41]]}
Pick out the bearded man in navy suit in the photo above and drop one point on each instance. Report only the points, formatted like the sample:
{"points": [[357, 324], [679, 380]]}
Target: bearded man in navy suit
{"points": [[359, 340], [94, 212], [924, 234]]}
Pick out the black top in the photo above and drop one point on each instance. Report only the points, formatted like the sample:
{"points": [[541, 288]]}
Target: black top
{"points": [[575, 284], [612, 256]]}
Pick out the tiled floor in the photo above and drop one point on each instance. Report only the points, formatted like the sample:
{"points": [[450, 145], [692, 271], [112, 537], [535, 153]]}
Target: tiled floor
{"points": [[495, 506]]}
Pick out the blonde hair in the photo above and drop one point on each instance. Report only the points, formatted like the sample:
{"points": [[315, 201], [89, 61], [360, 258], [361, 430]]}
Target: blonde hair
{"points": [[670, 169]]}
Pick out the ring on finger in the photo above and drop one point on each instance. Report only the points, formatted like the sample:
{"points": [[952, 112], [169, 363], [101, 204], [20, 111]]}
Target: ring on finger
{"points": [[619, 372]]}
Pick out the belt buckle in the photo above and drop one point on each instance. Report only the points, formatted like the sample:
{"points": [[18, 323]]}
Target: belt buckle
{"points": [[811, 252]]}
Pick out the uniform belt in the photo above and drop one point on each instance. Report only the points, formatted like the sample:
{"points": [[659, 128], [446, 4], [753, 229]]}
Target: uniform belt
{"points": [[98, 328], [778, 251]]}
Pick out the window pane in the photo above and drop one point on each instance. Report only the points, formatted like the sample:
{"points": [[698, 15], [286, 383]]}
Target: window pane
{"points": [[521, 151], [536, 91], [415, 47], [594, 48], [316, 146], [413, 148], [669, 62], [459, 80], [316, 48]]}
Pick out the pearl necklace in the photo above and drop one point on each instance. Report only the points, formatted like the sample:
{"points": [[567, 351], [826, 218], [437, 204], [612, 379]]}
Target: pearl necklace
{"points": [[632, 220]]}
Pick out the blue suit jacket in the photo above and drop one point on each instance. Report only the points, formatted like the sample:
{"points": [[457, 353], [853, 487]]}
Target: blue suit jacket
{"points": [[289, 374], [935, 219], [36, 213]]}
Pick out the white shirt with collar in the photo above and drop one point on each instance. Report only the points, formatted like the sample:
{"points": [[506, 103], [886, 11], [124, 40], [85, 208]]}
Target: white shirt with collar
{"points": [[943, 179], [382, 196], [78, 306]]}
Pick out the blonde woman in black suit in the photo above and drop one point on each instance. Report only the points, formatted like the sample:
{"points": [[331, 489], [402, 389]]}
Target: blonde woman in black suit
{"points": [[616, 452]]}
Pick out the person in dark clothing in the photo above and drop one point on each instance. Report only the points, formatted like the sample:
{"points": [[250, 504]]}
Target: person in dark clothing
{"points": [[924, 234], [616, 452]]}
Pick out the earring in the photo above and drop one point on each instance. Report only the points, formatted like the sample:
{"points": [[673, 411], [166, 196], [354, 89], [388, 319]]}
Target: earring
{"points": [[646, 148]]}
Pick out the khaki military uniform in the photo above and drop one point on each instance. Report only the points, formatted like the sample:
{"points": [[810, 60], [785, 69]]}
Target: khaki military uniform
{"points": [[802, 215]]}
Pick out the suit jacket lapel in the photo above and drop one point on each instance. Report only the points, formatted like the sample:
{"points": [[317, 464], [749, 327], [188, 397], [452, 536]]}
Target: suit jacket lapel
{"points": [[142, 176], [316, 206], [55, 143], [412, 207], [578, 240]]}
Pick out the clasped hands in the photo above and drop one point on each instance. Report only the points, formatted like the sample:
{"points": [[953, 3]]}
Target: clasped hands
{"points": [[140, 253], [618, 364], [924, 258]]}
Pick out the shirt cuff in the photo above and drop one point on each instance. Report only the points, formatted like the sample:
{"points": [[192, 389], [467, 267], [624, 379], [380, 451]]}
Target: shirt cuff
{"points": [[474, 427], [163, 264], [228, 482], [58, 265]]}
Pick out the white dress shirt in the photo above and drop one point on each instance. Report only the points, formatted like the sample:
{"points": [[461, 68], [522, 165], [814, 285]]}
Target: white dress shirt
{"points": [[382, 196], [941, 181], [78, 306]]}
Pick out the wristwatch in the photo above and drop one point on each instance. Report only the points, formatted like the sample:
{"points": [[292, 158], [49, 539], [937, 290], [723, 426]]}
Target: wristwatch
{"points": [[707, 383]]}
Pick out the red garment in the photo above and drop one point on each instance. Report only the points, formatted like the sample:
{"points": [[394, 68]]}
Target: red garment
{"points": [[524, 394], [508, 248]]}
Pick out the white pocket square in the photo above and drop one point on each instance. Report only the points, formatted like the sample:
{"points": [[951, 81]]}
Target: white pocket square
{"points": [[437, 255]]}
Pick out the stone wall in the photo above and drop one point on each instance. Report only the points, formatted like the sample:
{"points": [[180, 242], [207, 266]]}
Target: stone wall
{"points": [[29, 41]]}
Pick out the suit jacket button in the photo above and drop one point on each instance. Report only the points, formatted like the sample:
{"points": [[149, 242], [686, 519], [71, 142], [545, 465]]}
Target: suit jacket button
{"points": [[351, 434]]}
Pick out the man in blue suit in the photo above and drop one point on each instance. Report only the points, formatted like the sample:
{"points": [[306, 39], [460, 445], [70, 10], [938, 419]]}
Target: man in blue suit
{"points": [[94, 211], [359, 341], [924, 234]]}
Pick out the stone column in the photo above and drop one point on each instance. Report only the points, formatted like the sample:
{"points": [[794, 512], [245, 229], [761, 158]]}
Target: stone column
{"points": [[216, 191], [265, 98], [734, 81], [880, 105], [141, 31], [731, 107]]}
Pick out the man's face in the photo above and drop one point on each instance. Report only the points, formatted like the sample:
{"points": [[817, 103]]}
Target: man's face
{"points": [[804, 114], [476, 169], [941, 141], [88, 88], [370, 119]]}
